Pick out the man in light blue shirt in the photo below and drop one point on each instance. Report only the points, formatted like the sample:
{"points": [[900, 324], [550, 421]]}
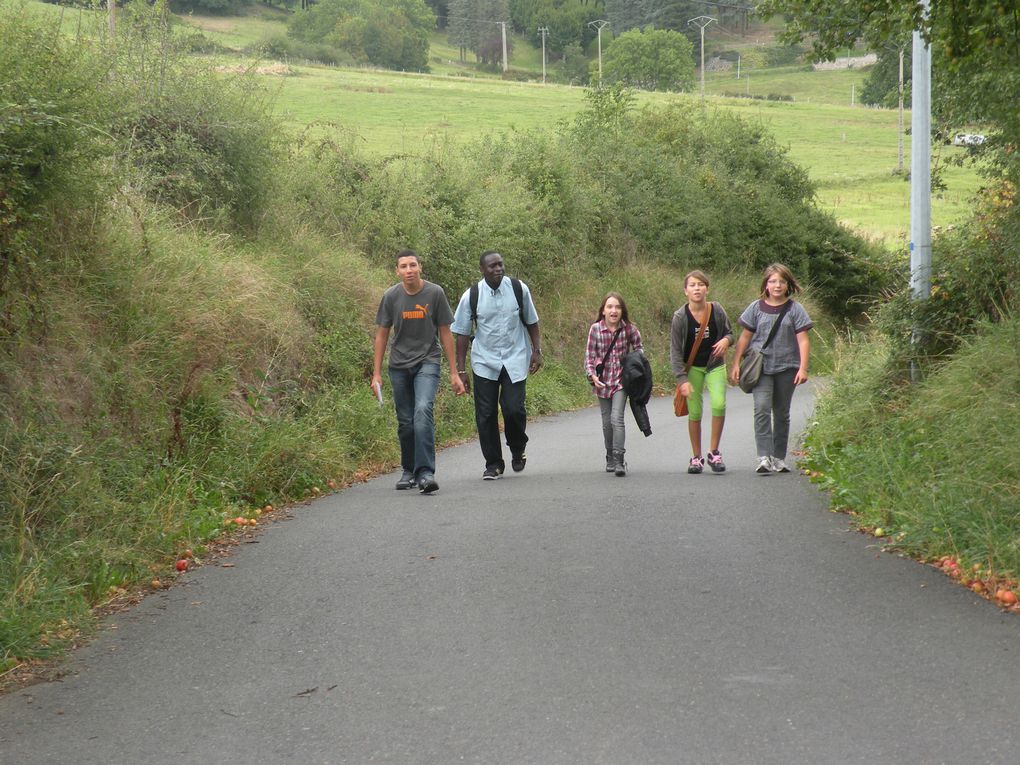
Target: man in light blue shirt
{"points": [[506, 347]]}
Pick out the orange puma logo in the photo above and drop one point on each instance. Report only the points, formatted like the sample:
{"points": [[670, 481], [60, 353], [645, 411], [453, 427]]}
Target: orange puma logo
{"points": [[420, 312]]}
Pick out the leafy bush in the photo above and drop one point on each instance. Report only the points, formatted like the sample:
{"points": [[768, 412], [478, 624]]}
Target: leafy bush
{"points": [[284, 48], [391, 33], [199, 142], [675, 184], [54, 104], [651, 59], [975, 271]]}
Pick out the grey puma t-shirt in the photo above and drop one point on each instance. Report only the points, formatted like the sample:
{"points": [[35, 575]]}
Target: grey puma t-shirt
{"points": [[415, 321]]}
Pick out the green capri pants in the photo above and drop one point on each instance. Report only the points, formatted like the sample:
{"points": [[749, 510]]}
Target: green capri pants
{"points": [[715, 381]]}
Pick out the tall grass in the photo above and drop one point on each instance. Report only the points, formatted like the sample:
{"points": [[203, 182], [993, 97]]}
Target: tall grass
{"points": [[933, 464]]}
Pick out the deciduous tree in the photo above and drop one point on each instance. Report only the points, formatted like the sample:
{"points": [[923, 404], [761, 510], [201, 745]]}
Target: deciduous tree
{"points": [[651, 59], [388, 33]]}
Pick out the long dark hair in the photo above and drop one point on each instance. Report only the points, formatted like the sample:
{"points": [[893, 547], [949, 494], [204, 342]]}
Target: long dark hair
{"points": [[623, 307]]}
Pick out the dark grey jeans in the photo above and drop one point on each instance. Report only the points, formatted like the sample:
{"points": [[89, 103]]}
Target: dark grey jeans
{"points": [[772, 397], [613, 431]]}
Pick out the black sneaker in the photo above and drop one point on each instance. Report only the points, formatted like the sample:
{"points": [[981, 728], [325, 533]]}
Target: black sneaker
{"points": [[427, 484], [518, 462], [492, 474], [406, 481], [696, 465]]}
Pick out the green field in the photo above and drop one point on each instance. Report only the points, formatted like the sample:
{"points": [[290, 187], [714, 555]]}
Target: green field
{"points": [[850, 152]]}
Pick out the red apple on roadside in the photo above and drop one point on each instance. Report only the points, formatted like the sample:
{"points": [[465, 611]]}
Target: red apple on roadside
{"points": [[182, 565]]}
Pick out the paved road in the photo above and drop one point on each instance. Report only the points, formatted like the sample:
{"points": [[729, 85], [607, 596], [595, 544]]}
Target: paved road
{"points": [[558, 616]]}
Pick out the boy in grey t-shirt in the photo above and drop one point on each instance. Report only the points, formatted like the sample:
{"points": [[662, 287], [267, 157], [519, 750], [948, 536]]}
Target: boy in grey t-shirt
{"points": [[418, 315]]}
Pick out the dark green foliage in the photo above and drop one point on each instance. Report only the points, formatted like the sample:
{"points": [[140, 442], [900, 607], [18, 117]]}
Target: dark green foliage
{"points": [[288, 48], [650, 59], [574, 69], [53, 110], [976, 270], [392, 34], [473, 27], [214, 7], [198, 141], [883, 83]]}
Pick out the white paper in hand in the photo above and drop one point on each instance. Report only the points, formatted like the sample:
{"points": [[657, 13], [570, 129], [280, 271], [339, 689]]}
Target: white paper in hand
{"points": [[378, 392]]}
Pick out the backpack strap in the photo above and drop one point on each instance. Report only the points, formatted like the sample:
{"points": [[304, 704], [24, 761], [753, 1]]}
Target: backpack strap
{"points": [[519, 294]]}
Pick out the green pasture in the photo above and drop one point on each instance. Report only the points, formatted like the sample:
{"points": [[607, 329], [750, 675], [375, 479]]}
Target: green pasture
{"points": [[850, 152], [396, 112], [839, 87], [238, 32]]}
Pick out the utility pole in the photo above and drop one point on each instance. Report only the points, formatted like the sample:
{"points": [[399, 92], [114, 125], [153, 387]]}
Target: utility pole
{"points": [[920, 178], [598, 25], [543, 31], [899, 166], [502, 26], [701, 22], [111, 6], [738, 66]]}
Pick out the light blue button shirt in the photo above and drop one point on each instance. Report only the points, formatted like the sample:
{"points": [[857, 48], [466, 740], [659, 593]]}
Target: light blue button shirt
{"points": [[501, 340]]}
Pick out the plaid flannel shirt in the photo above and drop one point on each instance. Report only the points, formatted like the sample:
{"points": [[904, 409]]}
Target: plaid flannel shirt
{"points": [[599, 338]]}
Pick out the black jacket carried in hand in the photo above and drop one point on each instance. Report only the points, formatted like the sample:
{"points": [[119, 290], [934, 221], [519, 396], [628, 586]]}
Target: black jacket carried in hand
{"points": [[637, 382]]}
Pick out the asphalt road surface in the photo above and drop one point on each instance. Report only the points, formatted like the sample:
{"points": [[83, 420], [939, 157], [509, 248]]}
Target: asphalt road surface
{"points": [[560, 615]]}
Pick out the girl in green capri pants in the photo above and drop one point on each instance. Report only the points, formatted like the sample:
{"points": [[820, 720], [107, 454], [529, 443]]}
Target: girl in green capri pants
{"points": [[706, 370]]}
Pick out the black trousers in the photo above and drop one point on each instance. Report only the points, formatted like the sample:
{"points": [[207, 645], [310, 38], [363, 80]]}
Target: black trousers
{"points": [[510, 398]]}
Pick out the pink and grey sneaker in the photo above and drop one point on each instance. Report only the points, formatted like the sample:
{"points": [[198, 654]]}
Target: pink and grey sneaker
{"points": [[697, 465], [715, 462]]}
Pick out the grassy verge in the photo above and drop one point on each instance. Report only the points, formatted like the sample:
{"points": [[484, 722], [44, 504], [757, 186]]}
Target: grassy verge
{"points": [[929, 467]]}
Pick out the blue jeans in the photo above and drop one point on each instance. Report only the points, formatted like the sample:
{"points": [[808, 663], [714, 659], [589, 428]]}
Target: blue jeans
{"points": [[613, 431], [414, 393]]}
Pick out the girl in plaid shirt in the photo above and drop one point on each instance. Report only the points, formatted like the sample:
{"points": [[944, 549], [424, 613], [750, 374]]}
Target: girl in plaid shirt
{"points": [[609, 340]]}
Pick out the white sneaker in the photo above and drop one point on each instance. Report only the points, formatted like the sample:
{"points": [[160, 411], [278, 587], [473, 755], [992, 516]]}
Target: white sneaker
{"points": [[778, 466], [764, 466]]}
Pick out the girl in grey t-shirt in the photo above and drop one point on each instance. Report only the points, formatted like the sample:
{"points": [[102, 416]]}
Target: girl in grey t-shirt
{"points": [[785, 362]]}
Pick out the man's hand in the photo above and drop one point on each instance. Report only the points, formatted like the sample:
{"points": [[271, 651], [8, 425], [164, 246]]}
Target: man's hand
{"points": [[536, 361], [465, 382], [459, 386]]}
